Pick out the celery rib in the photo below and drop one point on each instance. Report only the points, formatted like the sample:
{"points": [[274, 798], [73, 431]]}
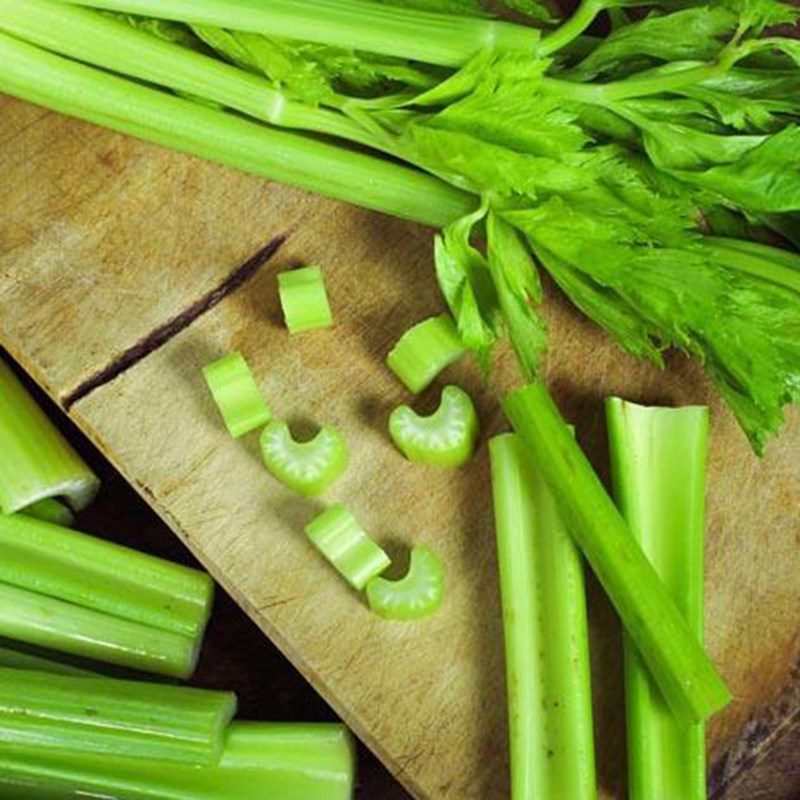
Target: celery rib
{"points": [[96, 574], [50, 510], [36, 463], [658, 458], [546, 636], [679, 665]]}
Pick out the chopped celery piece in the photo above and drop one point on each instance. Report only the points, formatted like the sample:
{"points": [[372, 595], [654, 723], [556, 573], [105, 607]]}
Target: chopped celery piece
{"points": [[679, 665], [260, 761], [44, 621], [546, 635], [304, 300], [416, 595], [423, 351], [446, 438], [107, 715], [104, 576], [308, 468], [35, 460], [50, 510], [658, 459], [236, 394], [337, 535]]}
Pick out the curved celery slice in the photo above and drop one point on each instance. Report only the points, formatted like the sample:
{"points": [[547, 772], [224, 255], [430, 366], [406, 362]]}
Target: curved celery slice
{"points": [[309, 468], [337, 535], [446, 438], [107, 715], [304, 300], [35, 460], [423, 351], [50, 510], [104, 576], [44, 621], [416, 595], [658, 459], [236, 394]]}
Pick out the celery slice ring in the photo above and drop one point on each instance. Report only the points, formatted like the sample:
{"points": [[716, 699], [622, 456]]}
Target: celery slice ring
{"points": [[445, 438], [304, 300], [308, 468], [414, 596]]}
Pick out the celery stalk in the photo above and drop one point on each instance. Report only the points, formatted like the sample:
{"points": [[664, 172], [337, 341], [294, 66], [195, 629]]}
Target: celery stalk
{"points": [[35, 460], [22, 659], [104, 576], [50, 510], [546, 636], [658, 458], [680, 667], [259, 760], [110, 716], [38, 76], [43, 621], [431, 37]]}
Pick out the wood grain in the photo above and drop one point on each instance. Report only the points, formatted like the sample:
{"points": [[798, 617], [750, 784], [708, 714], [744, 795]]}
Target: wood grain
{"points": [[104, 240]]}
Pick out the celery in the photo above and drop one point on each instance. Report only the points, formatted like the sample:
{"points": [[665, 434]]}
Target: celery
{"points": [[446, 438], [658, 460], [337, 535], [35, 460], [236, 394], [104, 576], [418, 594], [304, 300], [33, 74], [18, 658], [680, 667], [308, 468], [43, 621], [546, 637], [106, 715], [278, 761], [377, 27], [50, 510], [423, 351]]}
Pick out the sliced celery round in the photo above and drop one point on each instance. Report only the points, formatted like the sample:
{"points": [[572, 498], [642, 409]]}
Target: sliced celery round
{"points": [[416, 595], [308, 468], [304, 299], [446, 438]]}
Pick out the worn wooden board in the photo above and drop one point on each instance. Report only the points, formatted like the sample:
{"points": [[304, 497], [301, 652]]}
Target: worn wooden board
{"points": [[123, 269]]}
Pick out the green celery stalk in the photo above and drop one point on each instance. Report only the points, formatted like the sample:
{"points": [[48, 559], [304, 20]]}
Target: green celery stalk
{"points": [[680, 667], [41, 77], [35, 460], [546, 636], [658, 459], [431, 37], [51, 712], [21, 659], [50, 510], [259, 760], [43, 621], [104, 576]]}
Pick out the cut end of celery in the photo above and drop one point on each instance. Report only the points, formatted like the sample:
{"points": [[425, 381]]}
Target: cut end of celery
{"points": [[304, 300]]}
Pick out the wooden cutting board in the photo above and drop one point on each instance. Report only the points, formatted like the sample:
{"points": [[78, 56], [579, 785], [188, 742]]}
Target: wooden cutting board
{"points": [[124, 269]]}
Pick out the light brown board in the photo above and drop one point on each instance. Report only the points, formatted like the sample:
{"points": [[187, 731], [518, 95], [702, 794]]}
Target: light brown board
{"points": [[104, 241]]}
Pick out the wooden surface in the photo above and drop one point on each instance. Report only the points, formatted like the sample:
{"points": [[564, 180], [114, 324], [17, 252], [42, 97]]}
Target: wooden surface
{"points": [[104, 241]]}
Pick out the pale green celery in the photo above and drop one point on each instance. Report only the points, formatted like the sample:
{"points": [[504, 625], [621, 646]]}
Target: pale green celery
{"points": [[566, 33], [676, 659], [430, 37], [343, 542], [304, 300], [44, 621], [279, 761], [546, 636], [445, 438], [658, 459], [236, 394], [33, 74], [21, 659], [308, 468], [104, 576], [97, 39], [35, 460], [111, 716], [423, 351], [50, 510], [414, 596]]}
